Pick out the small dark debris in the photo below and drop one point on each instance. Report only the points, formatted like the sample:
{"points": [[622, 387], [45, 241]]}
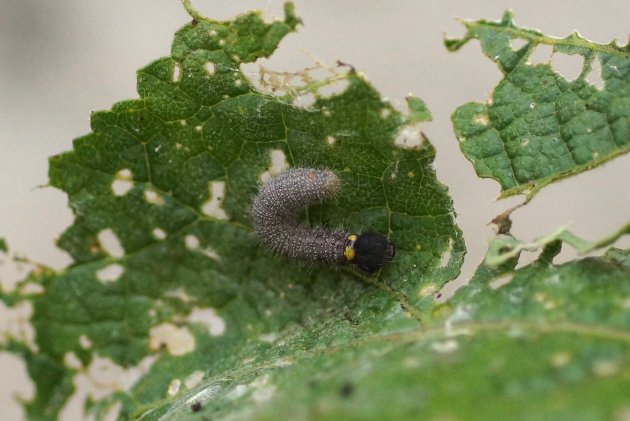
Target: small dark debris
{"points": [[346, 390], [196, 406], [193, 22]]}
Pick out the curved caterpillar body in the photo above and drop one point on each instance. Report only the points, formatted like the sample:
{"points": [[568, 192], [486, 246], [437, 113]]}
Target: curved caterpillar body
{"points": [[275, 211]]}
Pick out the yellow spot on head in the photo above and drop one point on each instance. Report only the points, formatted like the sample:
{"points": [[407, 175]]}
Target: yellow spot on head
{"points": [[348, 253]]}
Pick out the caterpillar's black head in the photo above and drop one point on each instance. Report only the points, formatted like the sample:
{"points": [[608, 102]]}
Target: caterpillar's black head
{"points": [[370, 251]]}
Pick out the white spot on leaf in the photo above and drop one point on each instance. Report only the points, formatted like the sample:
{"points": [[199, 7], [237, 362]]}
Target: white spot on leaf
{"points": [[278, 164], [122, 182], [71, 361], [110, 273], [192, 242], [110, 243], [177, 340], [209, 68], [209, 318], [85, 342], [214, 205], [194, 379], [159, 234], [176, 76], [409, 137], [445, 347], [153, 197], [173, 387]]}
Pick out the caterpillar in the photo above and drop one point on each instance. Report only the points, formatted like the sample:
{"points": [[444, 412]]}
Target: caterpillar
{"points": [[275, 211]]}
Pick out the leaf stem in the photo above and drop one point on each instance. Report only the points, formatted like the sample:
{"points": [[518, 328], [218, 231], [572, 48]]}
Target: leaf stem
{"points": [[192, 12]]}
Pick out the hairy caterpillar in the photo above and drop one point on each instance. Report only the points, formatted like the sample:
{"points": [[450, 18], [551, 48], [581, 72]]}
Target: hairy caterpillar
{"points": [[275, 212]]}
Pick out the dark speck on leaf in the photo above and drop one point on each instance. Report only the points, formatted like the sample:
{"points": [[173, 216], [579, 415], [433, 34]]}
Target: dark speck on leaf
{"points": [[195, 407], [346, 390]]}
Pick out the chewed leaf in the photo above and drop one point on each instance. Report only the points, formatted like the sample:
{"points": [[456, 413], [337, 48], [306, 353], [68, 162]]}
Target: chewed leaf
{"points": [[169, 283], [538, 126], [545, 342]]}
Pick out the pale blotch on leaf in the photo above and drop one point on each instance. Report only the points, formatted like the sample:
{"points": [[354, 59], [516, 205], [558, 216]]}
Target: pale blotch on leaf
{"points": [[541, 55], [71, 361], [213, 207], [110, 243], [569, 66], [173, 387], [481, 119], [262, 390], [238, 392], [501, 281], [179, 294], [85, 342], [209, 67], [153, 197], [122, 182], [605, 368], [99, 380], [445, 347], [268, 337], [176, 340], [194, 379], [176, 75], [594, 76], [330, 140], [213, 32], [278, 163], [192, 242], [110, 273], [409, 137], [384, 113], [158, 234], [560, 359], [427, 290], [446, 256], [209, 318]]}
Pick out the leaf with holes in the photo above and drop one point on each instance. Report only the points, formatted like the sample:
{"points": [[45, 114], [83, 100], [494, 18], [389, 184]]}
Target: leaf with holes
{"points": [[538, 126], [169, 285]]}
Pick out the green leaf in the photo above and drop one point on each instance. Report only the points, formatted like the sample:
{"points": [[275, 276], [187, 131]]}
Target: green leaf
{"points": [[162, 238], [539, 127], [551, 343]]}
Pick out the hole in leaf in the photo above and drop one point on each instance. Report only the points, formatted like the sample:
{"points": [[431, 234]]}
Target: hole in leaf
{"points": [[110, 273], [122, 182], [176, 340], [594, 77], [569, 66], [409, 137], [110, 243], [209, 318], [213, 207], [335, 88], [517, 43], [541, 55], [501, 281], [304, 101], [176, 76], [278, 164]]}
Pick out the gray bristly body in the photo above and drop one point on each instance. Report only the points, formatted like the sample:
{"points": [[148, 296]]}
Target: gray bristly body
{"points": [[275, 212]]}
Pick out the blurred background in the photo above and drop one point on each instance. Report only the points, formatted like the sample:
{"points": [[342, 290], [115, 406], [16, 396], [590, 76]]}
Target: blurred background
{"points": [[61, 60]]}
